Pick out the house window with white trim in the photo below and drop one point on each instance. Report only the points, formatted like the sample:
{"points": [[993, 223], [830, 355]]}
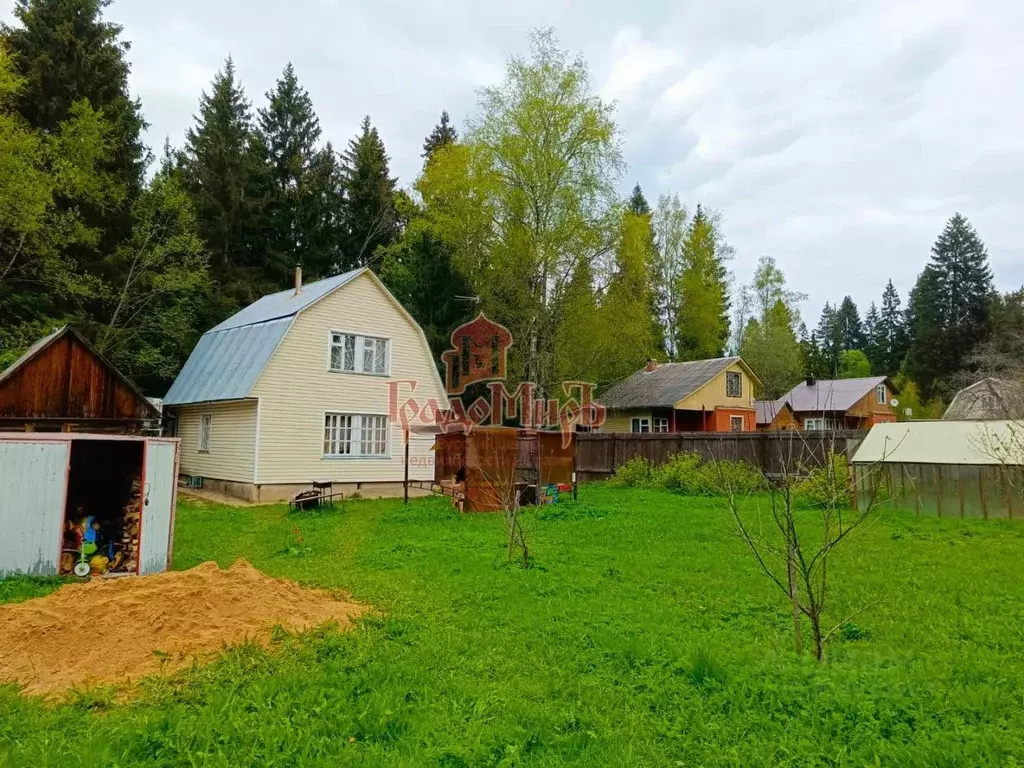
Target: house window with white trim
{"points": [[205, 432], [347, 434], [351, 353], [820, 425], [640, 426], [660, 423], [735, 423], [880, 394]]}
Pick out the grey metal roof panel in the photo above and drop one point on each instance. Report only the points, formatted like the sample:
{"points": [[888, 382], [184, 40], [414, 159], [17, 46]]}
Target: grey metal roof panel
{"points": [[226, 363], [941, 442], [286, 303], [666, 385], [767, 410], [831, 394]]}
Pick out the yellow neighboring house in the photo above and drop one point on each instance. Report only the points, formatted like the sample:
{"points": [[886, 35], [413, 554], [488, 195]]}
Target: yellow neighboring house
{"points": [[694, 396], [295, 388]]}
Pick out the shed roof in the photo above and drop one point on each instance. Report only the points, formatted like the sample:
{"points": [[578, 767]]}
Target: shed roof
{"points": [[767, 410], [832, 394], [67, 330], [943, 442], [230, 357], [988, 399], [667, 384]]}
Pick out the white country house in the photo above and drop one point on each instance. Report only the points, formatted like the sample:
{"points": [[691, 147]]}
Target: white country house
{"points": [[295, 388]]}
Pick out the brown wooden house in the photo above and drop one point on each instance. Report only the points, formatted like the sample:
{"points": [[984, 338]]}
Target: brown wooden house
{"points": [[830, 404], [62, 384]]}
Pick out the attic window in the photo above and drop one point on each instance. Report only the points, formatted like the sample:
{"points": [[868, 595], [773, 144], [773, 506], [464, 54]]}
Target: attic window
{"points": [[733, 384], [351, 353], [880, 394]]}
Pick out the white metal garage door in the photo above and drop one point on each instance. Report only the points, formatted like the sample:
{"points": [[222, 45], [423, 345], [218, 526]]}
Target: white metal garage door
{"points": [[157, 498], [33, 478]]}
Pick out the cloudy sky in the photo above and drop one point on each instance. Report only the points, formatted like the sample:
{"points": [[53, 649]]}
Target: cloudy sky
{"points": [[836, 136]]}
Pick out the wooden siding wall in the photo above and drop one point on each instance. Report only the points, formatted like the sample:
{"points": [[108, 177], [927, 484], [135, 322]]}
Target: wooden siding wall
{"points": [[232, 441], [599, 455], [67, 382], [944, 490]]}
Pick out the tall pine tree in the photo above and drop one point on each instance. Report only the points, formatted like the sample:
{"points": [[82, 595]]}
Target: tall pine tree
{"points": [[371, 218]]}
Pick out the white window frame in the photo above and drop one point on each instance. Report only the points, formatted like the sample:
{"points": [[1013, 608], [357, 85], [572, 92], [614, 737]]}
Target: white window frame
{"points": [[820, 424], [639, 425], [880, 394], [729, 375], [359, 341], [205, 433], [733, 421], [659, 424], [356, 427]]}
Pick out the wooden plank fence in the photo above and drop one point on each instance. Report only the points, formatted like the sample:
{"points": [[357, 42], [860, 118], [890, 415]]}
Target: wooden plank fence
{"points": [[599, 454]]}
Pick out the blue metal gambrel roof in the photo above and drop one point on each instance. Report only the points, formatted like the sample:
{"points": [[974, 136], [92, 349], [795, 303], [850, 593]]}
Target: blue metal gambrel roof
{"points": [[229, 358]]}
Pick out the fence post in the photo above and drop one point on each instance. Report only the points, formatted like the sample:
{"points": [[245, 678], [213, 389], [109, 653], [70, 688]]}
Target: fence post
{"points": [[615, 452]]}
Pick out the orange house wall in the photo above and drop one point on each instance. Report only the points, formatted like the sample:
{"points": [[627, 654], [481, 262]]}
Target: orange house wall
{"points": [[718, 420]]}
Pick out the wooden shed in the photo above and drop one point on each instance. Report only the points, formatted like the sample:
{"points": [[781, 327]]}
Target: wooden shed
{"points": [[944, 468], [63, 384], [494, 463]]}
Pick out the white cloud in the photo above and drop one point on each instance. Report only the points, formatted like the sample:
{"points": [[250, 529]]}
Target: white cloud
{"points": [[837, 135]]}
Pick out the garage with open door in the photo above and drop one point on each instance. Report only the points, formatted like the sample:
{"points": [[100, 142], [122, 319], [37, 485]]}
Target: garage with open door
{"points": [[86, 504]]}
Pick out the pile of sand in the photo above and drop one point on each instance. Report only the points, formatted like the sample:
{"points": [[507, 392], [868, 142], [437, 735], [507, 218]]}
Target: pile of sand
{"points": [[115, 630]]}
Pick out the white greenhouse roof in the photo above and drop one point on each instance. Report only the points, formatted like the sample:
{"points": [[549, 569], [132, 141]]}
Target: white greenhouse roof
{"points": [[944, 442]]}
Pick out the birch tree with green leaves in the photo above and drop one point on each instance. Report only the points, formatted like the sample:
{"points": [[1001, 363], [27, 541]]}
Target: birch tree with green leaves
{"points": [[529, 196]]}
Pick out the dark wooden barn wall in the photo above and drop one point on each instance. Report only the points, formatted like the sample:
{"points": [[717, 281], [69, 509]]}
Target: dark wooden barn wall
{"points": [[67, 381]]}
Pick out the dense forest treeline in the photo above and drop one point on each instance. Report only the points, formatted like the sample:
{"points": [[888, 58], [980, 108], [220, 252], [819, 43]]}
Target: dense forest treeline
{"points": [[517, 214]]}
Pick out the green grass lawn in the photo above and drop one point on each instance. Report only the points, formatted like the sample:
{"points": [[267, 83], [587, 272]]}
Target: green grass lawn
{"points": [[643, 636]]}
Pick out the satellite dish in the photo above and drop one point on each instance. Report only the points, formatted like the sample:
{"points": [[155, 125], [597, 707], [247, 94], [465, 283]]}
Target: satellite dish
{"points": [[894, 403]]}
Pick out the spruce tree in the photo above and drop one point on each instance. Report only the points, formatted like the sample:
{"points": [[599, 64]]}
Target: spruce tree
{"points": [[637, 203], [221, 171], [830, 341], [891, 332], [371, 218], [874, 346], [950, 310], [928, 357], [703, 321], [850, 327], [66, 53], [444, 133], [304, 195]]}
